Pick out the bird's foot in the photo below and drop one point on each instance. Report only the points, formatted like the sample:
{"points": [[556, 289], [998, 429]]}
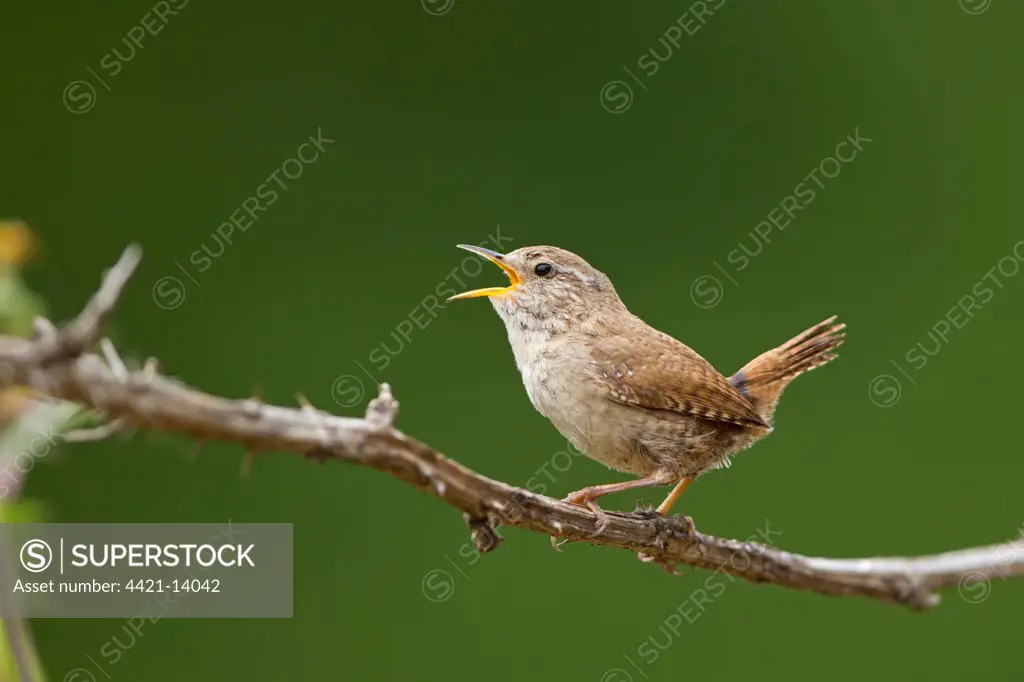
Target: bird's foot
{"points": [[680, 524], [669, 567], [601, 518], [584, 498]]}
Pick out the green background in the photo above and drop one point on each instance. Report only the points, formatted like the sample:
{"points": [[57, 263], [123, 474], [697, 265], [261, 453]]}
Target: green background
{"points": [[491, 114]]}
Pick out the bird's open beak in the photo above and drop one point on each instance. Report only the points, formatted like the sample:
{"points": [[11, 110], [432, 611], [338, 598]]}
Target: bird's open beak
{"points": [[499, 260]]}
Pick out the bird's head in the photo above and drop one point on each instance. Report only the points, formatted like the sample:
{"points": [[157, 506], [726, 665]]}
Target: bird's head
{"points": [[545, 282]]}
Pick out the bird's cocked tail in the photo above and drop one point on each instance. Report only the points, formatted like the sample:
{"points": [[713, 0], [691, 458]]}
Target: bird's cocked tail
{"points": [[762, 379]]}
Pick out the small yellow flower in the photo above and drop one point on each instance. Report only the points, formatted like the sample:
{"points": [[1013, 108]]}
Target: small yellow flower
{"points": [[17, 243]]}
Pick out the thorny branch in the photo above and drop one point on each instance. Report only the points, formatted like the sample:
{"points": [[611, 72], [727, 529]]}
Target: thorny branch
{"points": [[58, 362]]}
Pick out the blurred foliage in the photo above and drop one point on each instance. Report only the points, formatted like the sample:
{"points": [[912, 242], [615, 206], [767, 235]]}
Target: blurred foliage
{"points": [[18, 304], [22, 418]]}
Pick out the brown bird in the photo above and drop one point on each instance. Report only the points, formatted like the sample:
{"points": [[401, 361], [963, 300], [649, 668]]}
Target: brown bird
{"points": [[624, 393]]}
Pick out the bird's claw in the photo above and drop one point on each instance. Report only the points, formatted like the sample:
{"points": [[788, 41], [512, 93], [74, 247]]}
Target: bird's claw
{"points": [[600, 523], [683, 524], [667, 565], [667, 526]]}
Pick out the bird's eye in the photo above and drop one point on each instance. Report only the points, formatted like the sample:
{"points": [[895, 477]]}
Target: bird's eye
{"points": [[544, 269]]}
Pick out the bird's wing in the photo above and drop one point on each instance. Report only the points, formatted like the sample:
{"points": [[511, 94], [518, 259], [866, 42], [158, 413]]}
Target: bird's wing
{"points": [[661, 373]]}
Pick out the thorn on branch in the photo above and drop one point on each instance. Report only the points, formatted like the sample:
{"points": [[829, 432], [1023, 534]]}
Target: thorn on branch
{"points": [[382, 410], [321, 421], [150, 369], [643, 508], [252, 407], [117, 365], [44, 329]]}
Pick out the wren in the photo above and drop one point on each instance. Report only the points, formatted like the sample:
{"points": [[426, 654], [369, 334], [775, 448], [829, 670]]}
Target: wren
{"points": [[624, 393]]}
